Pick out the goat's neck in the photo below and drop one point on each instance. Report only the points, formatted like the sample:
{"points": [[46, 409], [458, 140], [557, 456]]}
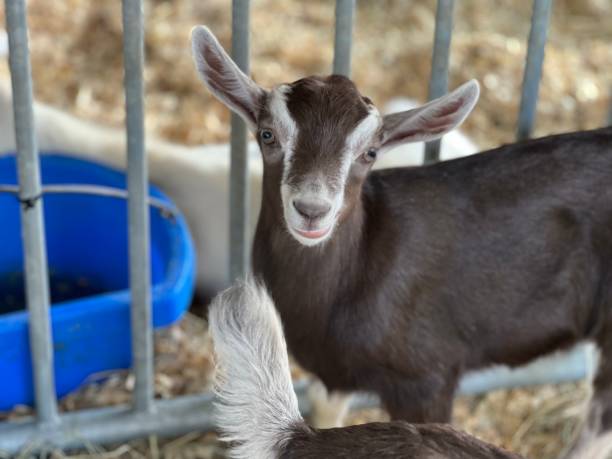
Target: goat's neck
{"points": [[307, 281]]}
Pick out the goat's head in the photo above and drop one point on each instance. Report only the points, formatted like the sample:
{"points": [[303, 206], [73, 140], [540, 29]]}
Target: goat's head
{"points": [[319, 136]]}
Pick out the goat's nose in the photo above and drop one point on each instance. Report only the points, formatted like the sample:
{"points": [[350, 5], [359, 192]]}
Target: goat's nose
{"points": [[311, 209]]}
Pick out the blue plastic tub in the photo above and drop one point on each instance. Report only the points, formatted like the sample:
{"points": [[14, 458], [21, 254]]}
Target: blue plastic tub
{"points": [[88, 267]]}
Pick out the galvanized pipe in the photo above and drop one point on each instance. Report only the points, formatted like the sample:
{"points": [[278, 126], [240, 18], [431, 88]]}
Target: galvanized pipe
{"points": [[239, 165], [438, 80], [110, 425], [343, 38], [610, 108], [138, 210], [193, 412], [533, 67], [35, 254], [576, 364]]}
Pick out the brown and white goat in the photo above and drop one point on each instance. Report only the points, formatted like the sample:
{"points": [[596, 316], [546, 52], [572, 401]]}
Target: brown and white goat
{"points": [[258, 410], [398, 281], [196, 178]]}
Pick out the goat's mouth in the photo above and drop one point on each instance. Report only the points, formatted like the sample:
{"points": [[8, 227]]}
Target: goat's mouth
{"points": [[313, 234], [309, 218]]}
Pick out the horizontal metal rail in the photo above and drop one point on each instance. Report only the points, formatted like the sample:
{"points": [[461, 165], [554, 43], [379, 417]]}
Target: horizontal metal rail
{"points": [[574, 365], [194, 412], [108, 425], [94, 190]]}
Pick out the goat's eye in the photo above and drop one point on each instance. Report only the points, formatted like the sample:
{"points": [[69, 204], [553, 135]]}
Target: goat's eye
{"points": [[371, 154], [267, 136]]}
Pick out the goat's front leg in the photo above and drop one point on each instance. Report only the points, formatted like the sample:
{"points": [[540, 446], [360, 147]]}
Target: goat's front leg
{"points": [[429, 399], [328, 408]]}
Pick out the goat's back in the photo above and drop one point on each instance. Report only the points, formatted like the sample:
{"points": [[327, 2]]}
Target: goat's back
{"points": [[389, 441], [509, 242]]}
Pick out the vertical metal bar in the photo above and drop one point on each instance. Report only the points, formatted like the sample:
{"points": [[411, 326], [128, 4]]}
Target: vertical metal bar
{"points": [[610, 108], [239, 166], [533, 67], [438, 80], [343, 37], [35, 254], [138, 211]]}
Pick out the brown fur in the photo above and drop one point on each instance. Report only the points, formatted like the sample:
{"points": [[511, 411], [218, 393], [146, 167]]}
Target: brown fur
{"points": [[389, 441], [338, 108], [435, 267], [491, 259]]}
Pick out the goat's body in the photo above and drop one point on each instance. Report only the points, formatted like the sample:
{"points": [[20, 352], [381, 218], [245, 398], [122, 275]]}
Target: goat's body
{"points": [[496, 258]]}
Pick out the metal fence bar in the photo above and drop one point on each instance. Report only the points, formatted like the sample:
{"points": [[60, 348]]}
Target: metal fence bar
{"points": [[239, 164], [610, 108], [138, 210], [533, 67], [35, 254], [193, 412], [438, 81], [575, 365], [110, 425], [343, 38]]}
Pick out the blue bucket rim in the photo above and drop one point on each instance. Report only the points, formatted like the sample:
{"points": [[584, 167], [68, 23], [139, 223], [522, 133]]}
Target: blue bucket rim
{"points": [[180, 272]]}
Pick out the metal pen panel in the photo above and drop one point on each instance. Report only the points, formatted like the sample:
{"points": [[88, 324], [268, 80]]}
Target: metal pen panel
{"points": [[35, 254], [194, 412], [343, 38], [533, 67], [438, 80], [138, 210], [110, 425], [239, 165]]}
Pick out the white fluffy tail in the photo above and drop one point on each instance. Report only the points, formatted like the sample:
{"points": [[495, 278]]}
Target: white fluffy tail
{"points": [[258, 407]]}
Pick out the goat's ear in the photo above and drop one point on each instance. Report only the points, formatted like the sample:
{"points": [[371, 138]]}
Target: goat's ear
{"points": [[223, 77], [432, 120]]}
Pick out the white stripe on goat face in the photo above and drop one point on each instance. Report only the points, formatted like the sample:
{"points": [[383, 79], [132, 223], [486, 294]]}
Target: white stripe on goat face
{"points": [[355, 145], [316, 186], [358, 140], [283, 123]]}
